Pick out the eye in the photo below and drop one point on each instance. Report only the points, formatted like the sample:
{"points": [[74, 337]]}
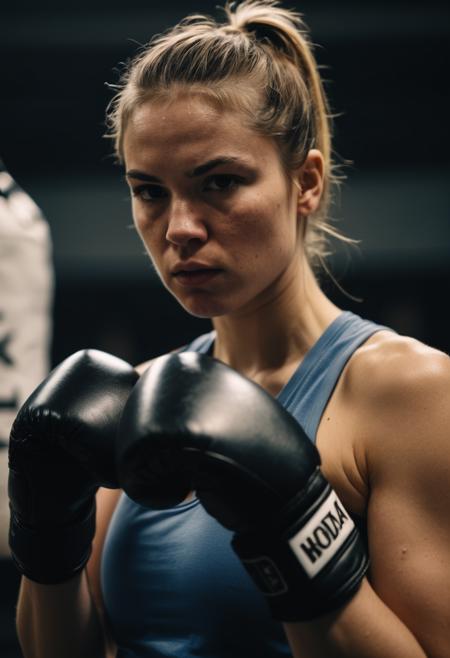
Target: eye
{"points": [[149, 193], [222, 183]]}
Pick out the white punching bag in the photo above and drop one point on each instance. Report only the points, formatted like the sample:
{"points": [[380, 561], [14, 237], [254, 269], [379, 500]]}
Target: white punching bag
{"points": [[26, 294]]}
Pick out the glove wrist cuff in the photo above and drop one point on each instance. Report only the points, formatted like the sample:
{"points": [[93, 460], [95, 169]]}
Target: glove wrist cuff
{"points": [[313, 567], [51, 555]]}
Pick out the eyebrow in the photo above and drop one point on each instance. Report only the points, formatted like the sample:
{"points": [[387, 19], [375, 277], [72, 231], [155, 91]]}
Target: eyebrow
{"points": [[192, 173]]}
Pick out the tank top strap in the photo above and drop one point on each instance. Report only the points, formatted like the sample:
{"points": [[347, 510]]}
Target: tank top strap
{"points": [[307, 393], [201, 344]]}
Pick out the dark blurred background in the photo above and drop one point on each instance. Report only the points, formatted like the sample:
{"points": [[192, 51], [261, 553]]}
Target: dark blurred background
{"points": [[387, 70], [387, 67]]}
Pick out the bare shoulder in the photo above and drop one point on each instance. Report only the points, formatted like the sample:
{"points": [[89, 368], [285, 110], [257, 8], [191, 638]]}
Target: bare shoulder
{"points": [[401, 389], [397, 375], [390, 366]]}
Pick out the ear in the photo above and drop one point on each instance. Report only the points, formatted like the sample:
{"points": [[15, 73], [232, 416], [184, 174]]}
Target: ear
{"points": [[310, 181]]}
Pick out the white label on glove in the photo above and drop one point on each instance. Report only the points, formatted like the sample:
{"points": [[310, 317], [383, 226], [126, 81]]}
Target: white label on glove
{"points": [[322, 536]]}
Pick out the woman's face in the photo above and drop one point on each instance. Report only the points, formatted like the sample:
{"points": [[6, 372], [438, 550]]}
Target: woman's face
{"points": [[211, 204]]}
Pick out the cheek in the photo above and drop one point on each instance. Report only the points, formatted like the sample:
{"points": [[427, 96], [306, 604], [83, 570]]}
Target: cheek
{"points": [[266, 233]]}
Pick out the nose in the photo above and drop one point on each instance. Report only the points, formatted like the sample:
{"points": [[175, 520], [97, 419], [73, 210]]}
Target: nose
{"points": [[185, 223]]}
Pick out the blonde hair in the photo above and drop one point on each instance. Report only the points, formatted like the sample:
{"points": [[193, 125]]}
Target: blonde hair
{"points": [[259, 61]]}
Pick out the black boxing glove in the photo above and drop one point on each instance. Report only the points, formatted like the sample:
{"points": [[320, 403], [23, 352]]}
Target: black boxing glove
{"points": [[61, 450], [193, 423]]}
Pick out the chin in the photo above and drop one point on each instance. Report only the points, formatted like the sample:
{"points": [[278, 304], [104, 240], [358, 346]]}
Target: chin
{"points": [[200, 306], [204, 311]]}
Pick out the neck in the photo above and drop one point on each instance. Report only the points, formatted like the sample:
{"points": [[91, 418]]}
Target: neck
{"points": [[279, 328]]}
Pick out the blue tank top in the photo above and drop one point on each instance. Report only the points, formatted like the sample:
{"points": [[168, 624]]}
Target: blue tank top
{"points": [[172, 585]]}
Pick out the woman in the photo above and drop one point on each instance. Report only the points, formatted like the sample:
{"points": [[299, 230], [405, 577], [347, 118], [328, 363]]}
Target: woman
{"points": [[225, 136]]}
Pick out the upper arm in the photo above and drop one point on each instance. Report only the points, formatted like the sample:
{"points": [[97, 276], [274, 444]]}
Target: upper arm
{"points": [[408, 461]]}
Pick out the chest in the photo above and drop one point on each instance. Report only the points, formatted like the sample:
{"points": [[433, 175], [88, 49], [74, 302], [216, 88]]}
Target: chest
{"points": [[162, 571]]}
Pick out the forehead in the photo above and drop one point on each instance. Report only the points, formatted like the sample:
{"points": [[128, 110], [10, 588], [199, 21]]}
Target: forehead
{"points": [[190, 126]]}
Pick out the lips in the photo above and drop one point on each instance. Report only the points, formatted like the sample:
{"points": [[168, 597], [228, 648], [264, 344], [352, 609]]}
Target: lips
{"points": [[191, 266], [195, 275]]}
